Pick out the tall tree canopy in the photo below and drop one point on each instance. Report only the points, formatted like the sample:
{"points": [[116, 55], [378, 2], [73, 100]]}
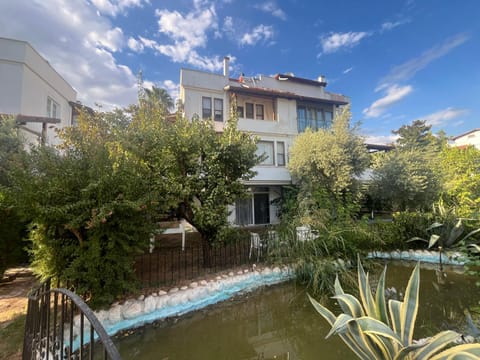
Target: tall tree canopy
{"points": [[408, 178], [95, 200], [329, 159]]}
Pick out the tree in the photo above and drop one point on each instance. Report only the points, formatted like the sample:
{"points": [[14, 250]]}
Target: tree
{"points": [[158, 98], [418, 134], [91, 207], [12, 225], [202, 170], [329, 161], [403, 179], [460, 168], [408, 178]]}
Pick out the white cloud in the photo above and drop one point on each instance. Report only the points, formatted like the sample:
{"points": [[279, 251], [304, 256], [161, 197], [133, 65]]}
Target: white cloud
{"points": [[346, 71], [172, 88], [336, 41], [393, 95], [135, 45], [272, 8], [381, 139], [112, 39], [78, 43], [442, 116], [388, 25], [408, 69], [187, 32], [190, 29], [260, 33], [114, 7]]}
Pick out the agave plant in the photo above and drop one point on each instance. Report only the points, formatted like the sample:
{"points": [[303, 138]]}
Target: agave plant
{"points": [[375, 329]]}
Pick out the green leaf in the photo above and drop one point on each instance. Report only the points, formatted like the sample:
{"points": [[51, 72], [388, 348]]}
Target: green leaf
{"points": [[436, 343], [435, 225], [322, 310], [410, 306], [380, 298], [366, 292], [433, 240], [465, 351], [395, 308], [350, 305]]}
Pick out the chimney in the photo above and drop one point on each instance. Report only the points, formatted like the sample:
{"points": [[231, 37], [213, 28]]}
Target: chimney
{"points": [[226, 62]]}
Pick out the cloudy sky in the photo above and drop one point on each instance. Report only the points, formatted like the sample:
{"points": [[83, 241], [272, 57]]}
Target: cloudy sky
{"points": [[397, 60]]}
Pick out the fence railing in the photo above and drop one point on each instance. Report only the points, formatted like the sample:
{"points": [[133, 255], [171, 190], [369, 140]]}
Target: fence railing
{"points": [[167, 266], [59, 325]]}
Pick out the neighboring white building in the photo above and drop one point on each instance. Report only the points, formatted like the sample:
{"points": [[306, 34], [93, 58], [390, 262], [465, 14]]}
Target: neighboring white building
{"points": [[470, 138], [276, 109], [32, 90]]}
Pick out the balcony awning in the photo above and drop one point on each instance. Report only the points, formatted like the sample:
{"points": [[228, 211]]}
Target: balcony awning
{"points": [[260, 91]]}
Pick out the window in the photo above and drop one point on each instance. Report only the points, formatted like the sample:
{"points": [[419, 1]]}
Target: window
{"points": [[280, 153], [243, 211], [240, 112], [254, 210], [313, 117], [218, 109], [249, 110], [259, 111], [266, 147], [206, 107], [53, 109], [328, 118]]}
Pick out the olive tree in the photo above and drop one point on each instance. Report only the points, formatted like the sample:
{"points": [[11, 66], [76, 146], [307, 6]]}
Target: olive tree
{"points": [[328, 163]]}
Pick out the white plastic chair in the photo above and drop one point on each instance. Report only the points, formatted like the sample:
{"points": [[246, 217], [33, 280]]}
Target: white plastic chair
{"points": [[255, 243], [303, 233]]}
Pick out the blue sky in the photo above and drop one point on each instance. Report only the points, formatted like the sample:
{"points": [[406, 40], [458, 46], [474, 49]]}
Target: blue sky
{"points": [[398, 61]]}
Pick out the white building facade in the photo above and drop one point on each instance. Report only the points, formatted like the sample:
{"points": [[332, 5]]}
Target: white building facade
{"points": [[470, 138], [275, 109], [32, 90]]}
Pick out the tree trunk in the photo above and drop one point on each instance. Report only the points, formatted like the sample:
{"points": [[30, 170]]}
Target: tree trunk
{"points": [[207, 251]]}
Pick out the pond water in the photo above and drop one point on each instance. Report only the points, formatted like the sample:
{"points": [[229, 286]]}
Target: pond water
{"points": [[278, 322]]}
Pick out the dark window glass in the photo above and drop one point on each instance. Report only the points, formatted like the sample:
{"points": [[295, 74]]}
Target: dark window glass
{"points": [[206, 107], [218, 108], [249, 110]]}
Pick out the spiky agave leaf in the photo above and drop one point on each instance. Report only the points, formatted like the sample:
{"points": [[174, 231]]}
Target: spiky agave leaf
{"points": [[380, 302], [366, 295], [347, 339], [459, 352], [435, 344], [409, 307]]}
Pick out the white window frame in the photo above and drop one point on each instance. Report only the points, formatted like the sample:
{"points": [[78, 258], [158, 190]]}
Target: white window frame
{"points": [[53, 108]]}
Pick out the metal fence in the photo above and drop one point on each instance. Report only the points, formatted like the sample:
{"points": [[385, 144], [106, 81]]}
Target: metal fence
{"points": [[59, 325], [167, 266]]}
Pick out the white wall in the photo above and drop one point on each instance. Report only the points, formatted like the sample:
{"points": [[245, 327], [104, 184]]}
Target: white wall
{"points": [[472, 138], [26, 81]]}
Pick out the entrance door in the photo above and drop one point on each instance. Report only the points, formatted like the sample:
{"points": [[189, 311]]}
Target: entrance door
{"points": [[261, 207]]}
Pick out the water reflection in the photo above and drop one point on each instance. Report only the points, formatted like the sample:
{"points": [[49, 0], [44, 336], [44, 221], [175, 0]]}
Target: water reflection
{"points": [[279, 323]]}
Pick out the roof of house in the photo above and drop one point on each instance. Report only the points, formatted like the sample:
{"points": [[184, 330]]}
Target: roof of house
{"points": [[255, 90], [465, 134], [290, 77]]}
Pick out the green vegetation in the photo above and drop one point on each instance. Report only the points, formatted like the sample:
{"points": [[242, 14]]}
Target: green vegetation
{"points": [[94, 201], [376, 329], [12, 225], [11, 334]]}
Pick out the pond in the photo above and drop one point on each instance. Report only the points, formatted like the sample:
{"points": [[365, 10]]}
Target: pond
{"points": [[278, 322]]}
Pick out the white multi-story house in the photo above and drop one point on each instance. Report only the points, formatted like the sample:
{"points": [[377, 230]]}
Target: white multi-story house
{"points": [[33, 91], [469, 138], [273, 108]]}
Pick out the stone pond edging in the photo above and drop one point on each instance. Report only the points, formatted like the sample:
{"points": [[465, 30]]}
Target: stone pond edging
{"points": [[178, 301], [447, 257]]}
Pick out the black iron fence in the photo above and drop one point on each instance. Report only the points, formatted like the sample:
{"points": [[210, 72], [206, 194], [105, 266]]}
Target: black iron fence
{"points": [[167, 266], [59, 325]]}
